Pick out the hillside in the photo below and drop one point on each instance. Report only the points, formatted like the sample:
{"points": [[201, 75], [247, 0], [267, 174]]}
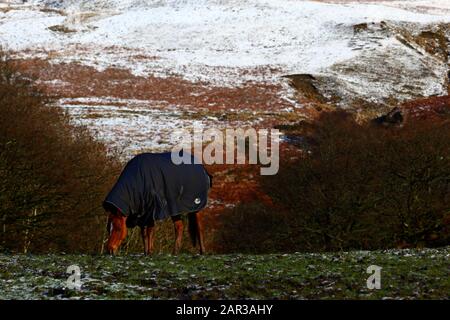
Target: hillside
{"points": [[135, 71]]}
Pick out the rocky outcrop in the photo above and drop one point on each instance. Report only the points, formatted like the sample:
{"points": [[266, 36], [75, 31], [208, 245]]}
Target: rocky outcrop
{"points": [[306, 88], [392, 118]]}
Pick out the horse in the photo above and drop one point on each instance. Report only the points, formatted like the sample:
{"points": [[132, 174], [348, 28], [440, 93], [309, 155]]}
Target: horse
{"points": [[151, 188]]}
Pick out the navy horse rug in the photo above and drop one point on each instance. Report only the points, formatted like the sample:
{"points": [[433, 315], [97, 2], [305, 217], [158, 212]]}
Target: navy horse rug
{"points": [[151, 187]]}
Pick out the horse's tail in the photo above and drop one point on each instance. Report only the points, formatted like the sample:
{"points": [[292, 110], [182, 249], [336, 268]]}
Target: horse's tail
{"points": [[194, 231]]}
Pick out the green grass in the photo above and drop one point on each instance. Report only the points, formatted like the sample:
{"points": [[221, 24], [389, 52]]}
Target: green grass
{"points": [[406, 274]]}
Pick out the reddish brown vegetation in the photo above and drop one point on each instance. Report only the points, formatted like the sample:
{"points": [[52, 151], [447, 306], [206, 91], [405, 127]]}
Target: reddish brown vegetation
{"points": [[433, 109], [85, 81]]}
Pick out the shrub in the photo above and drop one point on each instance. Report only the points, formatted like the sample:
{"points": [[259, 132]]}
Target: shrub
{"points": [[356, 186], [54, 175]]}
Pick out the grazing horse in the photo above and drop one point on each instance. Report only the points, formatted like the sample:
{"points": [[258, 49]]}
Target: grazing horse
{"points": [[150, 188]]}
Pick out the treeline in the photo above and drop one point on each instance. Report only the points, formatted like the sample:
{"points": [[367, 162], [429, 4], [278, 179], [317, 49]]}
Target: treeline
{"points": [[356, 186], [53, 174]]}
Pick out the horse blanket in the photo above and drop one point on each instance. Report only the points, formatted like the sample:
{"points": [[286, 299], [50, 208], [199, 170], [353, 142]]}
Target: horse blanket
{"points": [[151, 187]]}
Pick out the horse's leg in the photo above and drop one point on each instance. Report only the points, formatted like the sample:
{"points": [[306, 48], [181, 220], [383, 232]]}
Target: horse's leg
{"points": [[178, 224], [150, 237], [200, 234], [147, 233], [144, 239]]}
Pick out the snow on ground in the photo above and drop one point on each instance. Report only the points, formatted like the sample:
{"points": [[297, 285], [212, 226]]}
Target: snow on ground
{"points": [[134, 126], [411, 274], [385, 68], [202, 40], [438, 7], [434, 6], [139, 129]]}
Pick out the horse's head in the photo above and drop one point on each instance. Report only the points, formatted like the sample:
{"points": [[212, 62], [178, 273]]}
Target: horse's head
{"points": [[117, 229]]}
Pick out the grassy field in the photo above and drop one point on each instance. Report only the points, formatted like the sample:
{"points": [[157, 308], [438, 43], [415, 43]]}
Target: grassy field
{"points": [[405, 274]]}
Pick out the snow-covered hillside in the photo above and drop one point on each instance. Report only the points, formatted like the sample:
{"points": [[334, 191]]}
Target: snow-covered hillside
{"points": [[374, 51], [206, 40]]}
